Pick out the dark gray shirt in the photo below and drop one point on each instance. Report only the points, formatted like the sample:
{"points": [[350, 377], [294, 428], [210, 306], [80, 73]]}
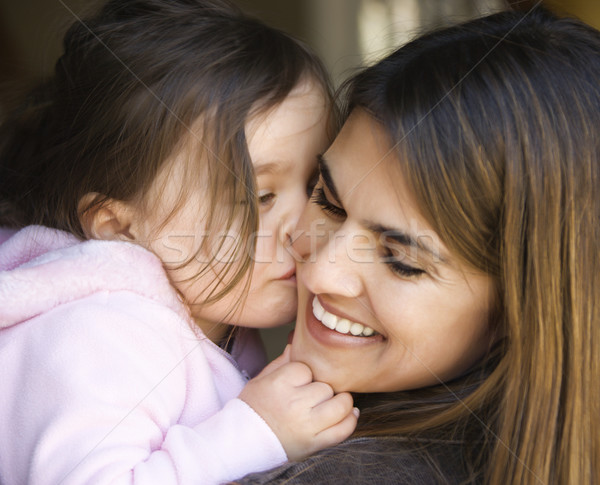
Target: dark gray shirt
{"points": [[378, 461]]}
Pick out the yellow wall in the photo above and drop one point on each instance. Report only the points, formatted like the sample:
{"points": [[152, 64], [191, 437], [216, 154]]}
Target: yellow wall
{"points": [[586, 10]]}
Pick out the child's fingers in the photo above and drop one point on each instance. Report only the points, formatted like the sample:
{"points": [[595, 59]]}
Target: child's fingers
{"points": [[332, 411], [338, 432], [281, 375], [314, 394]]}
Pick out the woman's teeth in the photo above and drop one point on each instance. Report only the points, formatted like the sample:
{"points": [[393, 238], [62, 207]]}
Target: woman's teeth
{"points": [[341, 325]]}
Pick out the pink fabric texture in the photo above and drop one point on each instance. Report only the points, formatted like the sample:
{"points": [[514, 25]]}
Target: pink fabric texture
{"points": [[105, 379]]}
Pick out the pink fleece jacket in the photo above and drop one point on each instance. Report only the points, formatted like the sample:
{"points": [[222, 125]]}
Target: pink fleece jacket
{"points": [[104, 378]]}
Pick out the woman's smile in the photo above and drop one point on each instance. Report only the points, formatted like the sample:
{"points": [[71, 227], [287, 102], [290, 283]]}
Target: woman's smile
{"points": [[330, 328], [338, 323]]}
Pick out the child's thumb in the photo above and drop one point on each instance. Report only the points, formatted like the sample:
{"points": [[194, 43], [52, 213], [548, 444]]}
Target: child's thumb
{"points": [[283, 359]]}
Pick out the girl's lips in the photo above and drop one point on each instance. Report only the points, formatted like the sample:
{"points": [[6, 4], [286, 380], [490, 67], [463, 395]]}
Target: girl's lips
{"points": [[290, 275], [331, 338]]}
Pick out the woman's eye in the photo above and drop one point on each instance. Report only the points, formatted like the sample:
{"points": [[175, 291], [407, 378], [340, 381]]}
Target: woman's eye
{"points": [[391, 258], [319, 198], [266, 198], [405, 270], [312, 182]]}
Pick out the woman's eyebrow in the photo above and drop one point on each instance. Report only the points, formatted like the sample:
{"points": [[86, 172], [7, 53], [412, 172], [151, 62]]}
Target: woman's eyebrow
{"points": [[406, 239], [327, 179]]}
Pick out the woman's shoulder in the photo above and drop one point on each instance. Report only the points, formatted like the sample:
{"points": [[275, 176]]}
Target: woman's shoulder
{"points": [[380, 460]]}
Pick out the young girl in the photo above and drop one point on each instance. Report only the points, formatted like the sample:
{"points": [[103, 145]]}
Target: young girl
{"points": [[163, 165]]}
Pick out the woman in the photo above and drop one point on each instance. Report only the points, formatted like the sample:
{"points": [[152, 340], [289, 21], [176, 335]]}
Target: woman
{"points": [[451, 266]]}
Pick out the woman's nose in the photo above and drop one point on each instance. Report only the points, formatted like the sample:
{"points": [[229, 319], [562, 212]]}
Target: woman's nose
{"points": [[326, 262]]}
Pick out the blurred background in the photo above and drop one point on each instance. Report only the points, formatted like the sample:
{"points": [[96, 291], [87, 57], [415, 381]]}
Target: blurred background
{"points": [[345, 33]]}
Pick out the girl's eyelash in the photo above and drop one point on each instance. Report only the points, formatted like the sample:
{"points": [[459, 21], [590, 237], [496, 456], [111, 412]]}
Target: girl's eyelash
{"points": [[318, 197], [266, 198]]}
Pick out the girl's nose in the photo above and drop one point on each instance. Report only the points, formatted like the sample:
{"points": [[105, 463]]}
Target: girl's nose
{"points": [[292, 214]]}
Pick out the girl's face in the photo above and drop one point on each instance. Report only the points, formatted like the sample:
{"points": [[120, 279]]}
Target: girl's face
{"points": [[383, 305], [283, 145]]}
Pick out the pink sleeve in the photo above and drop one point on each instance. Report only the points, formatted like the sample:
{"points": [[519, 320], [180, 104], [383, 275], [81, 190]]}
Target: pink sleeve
{"points": [[230, 443], [93, 395]]}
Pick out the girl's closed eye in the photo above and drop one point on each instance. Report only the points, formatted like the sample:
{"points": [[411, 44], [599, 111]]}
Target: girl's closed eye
{"points": [[266, 198]]}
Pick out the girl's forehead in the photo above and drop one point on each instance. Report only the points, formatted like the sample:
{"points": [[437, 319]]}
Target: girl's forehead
{"points": [[291, 133], [301, 109]]}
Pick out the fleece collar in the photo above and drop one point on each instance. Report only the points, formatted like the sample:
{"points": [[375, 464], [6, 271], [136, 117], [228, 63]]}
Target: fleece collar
{"points": [[41, 268]]}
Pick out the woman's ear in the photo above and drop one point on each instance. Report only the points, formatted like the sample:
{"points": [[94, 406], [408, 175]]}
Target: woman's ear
{"points": [[107, 220]]}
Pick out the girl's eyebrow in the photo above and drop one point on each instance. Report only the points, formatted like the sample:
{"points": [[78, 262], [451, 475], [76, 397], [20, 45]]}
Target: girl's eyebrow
{"points": [[327, 179], [271, 167]]}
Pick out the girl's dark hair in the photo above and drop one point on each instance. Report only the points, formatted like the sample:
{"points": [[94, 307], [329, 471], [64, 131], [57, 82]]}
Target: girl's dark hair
{"points": [[496, 124], [136, 81]]}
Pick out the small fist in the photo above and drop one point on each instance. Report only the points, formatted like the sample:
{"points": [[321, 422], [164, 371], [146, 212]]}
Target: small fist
{"points": [[306, 416]]}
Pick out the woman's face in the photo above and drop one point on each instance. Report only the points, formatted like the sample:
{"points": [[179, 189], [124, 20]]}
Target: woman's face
{"points": [[383, 305]]}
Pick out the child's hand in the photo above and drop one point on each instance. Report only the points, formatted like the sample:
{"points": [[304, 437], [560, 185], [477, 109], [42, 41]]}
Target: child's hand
{"points": [[306, 416]]}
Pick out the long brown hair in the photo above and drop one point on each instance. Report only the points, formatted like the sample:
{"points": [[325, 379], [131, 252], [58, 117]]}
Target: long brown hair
{"points": [[496, 124], [136, 81]]}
